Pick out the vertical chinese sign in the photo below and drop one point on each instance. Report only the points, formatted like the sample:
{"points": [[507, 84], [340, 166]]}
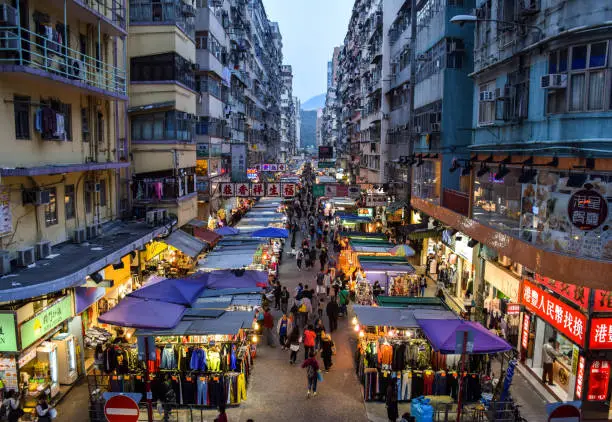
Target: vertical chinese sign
{"points": [[569, 321], [257, 189], [6, 222], [288, 190]]}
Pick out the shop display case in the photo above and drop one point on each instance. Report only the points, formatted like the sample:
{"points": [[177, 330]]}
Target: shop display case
{"points": [[66, 358]]}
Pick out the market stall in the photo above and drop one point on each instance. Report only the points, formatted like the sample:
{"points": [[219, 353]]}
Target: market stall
{"points": [[395, 275]]}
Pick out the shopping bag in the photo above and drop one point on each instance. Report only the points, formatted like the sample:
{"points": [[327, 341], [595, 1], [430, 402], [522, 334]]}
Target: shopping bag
{"points": [[320, 376], [52, 413]]}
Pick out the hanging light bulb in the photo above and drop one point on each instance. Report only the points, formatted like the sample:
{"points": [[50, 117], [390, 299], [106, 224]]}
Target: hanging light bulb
{"points": [[254, 339], [361, 334], [356, 328], [354, 321]]}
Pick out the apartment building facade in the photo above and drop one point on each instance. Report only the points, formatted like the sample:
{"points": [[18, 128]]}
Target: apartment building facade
{"points": [[288, 111]]}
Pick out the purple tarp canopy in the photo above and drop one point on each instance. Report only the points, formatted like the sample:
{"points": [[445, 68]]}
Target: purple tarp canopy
{"points": [[236, 279], [142, 313], [182, 291], [442, 336]]}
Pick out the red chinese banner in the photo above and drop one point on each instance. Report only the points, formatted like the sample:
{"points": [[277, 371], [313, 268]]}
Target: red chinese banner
{"points": [[257, 189], [242, 189], [567, 320], [576, 294], [599, 378], [603, 301], [227, 189], [288, 190], [525, 332], [600, 336], [580, 378], [273, 189]]}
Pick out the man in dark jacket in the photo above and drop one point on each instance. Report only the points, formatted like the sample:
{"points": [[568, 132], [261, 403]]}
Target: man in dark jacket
{"points": [[332, 310]]}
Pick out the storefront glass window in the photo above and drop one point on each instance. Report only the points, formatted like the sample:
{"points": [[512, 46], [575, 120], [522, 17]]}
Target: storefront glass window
{"points": [[538, 212], [426, 181]]}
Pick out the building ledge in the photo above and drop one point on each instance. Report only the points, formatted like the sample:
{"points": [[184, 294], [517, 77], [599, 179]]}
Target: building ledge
{"points": [[71, 263], [61, 168], [547, 263]]}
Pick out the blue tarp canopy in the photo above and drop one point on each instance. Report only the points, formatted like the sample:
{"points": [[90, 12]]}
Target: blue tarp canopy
{"points": [[236, 279], [226, 261], [387, 267], [186, 243], [398, 317], [227, 231], [182, 291], [211, 292], [143, 313], [271, 232], [228, 323], [443, 336]]}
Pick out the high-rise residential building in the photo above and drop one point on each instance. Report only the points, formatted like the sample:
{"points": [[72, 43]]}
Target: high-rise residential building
{"points": [[298, 123], [162, 106], [319, 133], [288, 111]]}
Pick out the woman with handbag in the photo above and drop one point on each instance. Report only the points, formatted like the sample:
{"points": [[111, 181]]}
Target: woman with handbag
{"points": [[327, 350], [11, 403], [293, 342], [43, 410]]}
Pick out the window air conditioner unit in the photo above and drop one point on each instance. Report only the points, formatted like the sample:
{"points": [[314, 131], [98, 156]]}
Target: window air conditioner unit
{"points": [[487, 96], [92, 231], [36, 196], [554, 81], [43, 249], [5, 262], [79, 236], [503, 93], [25, 257], [8, 15], [386, 116]]}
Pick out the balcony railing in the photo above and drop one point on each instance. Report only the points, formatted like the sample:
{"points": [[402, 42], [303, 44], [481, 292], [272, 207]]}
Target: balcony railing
{"points": [[21, 47], [456, 201], [113, 10], [167, 12]]}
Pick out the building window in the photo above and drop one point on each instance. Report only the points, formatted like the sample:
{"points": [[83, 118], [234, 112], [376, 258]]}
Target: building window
{"points": [[69, 199], [51, 208], [169, 125], [486, 109], [22, 117], [85, 125], [586, 69], [87, 197], [103, 193], [162, 67]]}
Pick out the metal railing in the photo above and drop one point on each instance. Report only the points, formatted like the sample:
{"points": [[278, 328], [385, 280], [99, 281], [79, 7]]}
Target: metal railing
{"points": [[112, 10], [19, 46], [164, 11]]}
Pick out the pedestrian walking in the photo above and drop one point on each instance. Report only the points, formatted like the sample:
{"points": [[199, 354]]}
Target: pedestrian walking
{"points": [[43, 408], [268, 326], [294, 341], [299, 257], [222, 417], [343, 296], [298, 291], [332, 314], [319, 329], [312, 369], [283, 328], [313, 256], [323, 258], [423, 285], [321, 307], [327, 350], [309, 340], [327, 282], [284, 299], [11, 404], [277, 296]]}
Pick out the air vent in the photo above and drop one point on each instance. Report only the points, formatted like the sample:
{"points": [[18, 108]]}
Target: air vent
{"points": [[92, 231], [43, 249], [25, 257], [79, 236]]}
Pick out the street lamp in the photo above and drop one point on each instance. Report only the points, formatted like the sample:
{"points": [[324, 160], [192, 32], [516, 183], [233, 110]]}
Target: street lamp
{"points": [[463, 19]]}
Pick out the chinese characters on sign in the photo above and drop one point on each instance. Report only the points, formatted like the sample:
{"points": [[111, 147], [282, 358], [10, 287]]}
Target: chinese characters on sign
{"points": [[288, 190], [227, 189], [257, 189], [587, 209], [580, 378], [569, 321], [513, 309], [376, 200], [242, 189], [525, 332], [603, 301], [601, 333], [274, 189], [599, 377], [576, 294], [6, 222]]}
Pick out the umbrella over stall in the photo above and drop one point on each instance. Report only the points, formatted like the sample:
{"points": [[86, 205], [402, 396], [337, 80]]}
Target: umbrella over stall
{"points": [[181, 291]]}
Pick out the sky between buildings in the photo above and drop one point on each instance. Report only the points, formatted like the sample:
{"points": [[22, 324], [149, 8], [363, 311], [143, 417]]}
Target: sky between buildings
{"points": [[310, 29]]}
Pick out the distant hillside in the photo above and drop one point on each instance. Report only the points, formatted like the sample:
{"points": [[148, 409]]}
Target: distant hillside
{"points": [[308, 129], [314, 103]]}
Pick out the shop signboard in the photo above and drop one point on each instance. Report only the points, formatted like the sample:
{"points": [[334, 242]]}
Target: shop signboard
{"points": [[326, 152], [580, 378], [318, 190], [354, 192], [288, 190], [365, 212], [513, 308], [330, 190], [599, 378], [45, 321], [273, 189], [376, 200], [243, 189], [587, 209], [525, 332], [326, 164], [600, 336], [251, 173], [257, 189], [576, 294], [6, 221], [239, 162], [603, 301], [568, 321], [227, 189], [342, 191], [8, 332], [503, 281]]}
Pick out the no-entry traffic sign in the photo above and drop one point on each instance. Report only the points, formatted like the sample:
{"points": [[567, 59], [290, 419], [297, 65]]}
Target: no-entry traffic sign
{"points": [[121, 409]]}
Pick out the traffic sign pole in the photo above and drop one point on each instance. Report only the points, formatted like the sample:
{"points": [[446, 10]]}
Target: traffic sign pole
{"points": [[121, 408]]}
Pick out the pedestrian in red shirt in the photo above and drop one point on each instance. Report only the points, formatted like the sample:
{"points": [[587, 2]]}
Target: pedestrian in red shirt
{"points": [[312, 369], [309, 341], [268, 326]]}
